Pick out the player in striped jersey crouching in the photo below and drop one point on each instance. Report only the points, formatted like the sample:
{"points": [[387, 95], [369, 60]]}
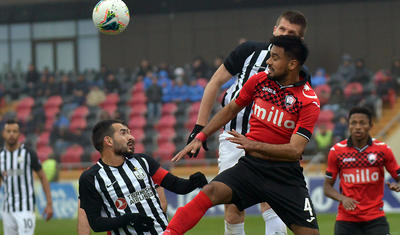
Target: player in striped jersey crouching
{"points": [[118, 193]]}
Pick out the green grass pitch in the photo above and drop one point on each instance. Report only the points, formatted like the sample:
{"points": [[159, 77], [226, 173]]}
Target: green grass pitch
{"points": [[254, 225]]}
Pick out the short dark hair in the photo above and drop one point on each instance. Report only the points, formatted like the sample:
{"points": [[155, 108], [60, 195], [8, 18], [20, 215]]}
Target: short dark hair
{"points": [[362, 110], [294, 17], [294, 47], [10, 122], [102, 129]]}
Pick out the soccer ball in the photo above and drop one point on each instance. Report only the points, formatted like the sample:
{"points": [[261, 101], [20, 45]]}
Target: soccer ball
{"points": [[111, 16]]}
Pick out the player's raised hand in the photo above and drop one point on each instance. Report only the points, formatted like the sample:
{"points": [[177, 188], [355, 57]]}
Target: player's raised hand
{"points": [[193, 147], [242, 141], [349, 203], [393, 186]]}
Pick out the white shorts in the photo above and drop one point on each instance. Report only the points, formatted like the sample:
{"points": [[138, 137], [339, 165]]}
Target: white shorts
{"points": [[19, 223], [228, 153]]}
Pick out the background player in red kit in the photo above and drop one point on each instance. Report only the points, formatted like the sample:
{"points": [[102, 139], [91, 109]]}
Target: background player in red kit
{"points": [[359, 162], [284, 113]]}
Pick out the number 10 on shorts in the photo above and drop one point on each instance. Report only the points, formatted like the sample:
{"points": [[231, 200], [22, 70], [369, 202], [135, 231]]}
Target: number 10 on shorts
{"points": [[307, 207]]}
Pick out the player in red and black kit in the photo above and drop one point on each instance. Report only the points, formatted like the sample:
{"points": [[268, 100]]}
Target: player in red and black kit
{"points": [[359, 162], [284, 113]]}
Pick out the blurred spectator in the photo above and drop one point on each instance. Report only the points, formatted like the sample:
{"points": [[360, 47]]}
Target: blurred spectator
{"points": [[95, 96], [51, 87], [179, 73], [104, 115], [81, 84], [218, 61], [319, 77], [148, 79], [340, 130], [154, 100], [65, 86], [242, 40], [361, 73], [163, 66], [179, 91], [41, 86], [111, 84], [61, 138], [122, 75], [14, 88], [353, 93], [395, 72], [144, 68], [200, 69], [345, 71], [195, 91], [32, 77], [101, 76], [323, 137]]}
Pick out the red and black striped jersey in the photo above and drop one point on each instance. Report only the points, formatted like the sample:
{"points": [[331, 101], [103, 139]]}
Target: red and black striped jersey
{"points": [[279, 111]]}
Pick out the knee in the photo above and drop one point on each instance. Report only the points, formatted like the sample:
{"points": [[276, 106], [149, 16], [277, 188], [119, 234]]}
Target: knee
{"points": [[218, 193], [234, 216]]}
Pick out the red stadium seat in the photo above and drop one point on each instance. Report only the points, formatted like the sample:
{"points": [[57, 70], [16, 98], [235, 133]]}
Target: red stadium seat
{"points": [[352, 89], [26, 102], [165, 151], [80, 112], [138, 110], [110, 108], [166, 135], [44, 152], [138, 87], [23, 114], [139, 148], [202, 82], [53, 101], [95, 156], [169, 108], [77, 124], [48, 126], [43, 139], [139, 134], [324, 93], [21, 138], [137, 98], [189, 124], [326, 115], [166, 121], [137, 122], [51, 111], [72, 154], [194, 109]]}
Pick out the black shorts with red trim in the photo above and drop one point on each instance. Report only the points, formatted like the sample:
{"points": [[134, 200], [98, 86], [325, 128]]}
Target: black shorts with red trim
{"points": [[280, 184]]}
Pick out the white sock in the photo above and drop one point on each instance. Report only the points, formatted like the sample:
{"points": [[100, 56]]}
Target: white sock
{"points": [[273, 224], [234, 229]]}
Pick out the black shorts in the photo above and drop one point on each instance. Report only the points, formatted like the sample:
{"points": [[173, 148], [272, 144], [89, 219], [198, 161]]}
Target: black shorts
{"points": [[378, 226], [280, 184]]}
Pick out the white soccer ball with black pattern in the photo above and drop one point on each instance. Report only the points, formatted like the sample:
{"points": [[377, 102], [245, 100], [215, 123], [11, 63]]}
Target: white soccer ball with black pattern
{"points": [[111, 16]]}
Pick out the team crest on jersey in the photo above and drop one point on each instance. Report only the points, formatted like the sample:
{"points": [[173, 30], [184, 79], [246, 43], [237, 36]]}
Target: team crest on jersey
{"points": [[372, 158], [121, 203], [140, 174], [289, 101], [20, 159]]}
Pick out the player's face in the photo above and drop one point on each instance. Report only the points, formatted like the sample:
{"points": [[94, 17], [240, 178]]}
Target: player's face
{"points": [[11, 134], [278, 64], [123, 141], [286, 28], [359, 126]]}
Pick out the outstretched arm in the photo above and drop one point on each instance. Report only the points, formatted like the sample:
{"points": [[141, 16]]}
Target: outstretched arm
{"points": [[48, 210], [220, 77], [221, 118]]}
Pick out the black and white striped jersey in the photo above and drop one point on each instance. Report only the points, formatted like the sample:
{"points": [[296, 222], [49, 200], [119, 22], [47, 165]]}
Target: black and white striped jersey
{"points": [[128, 188], [16, 175], [246, 60]]}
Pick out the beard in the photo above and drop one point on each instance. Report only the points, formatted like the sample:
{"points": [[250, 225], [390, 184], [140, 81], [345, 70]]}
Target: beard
{"points": [[279, 77], [123, 150]]}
